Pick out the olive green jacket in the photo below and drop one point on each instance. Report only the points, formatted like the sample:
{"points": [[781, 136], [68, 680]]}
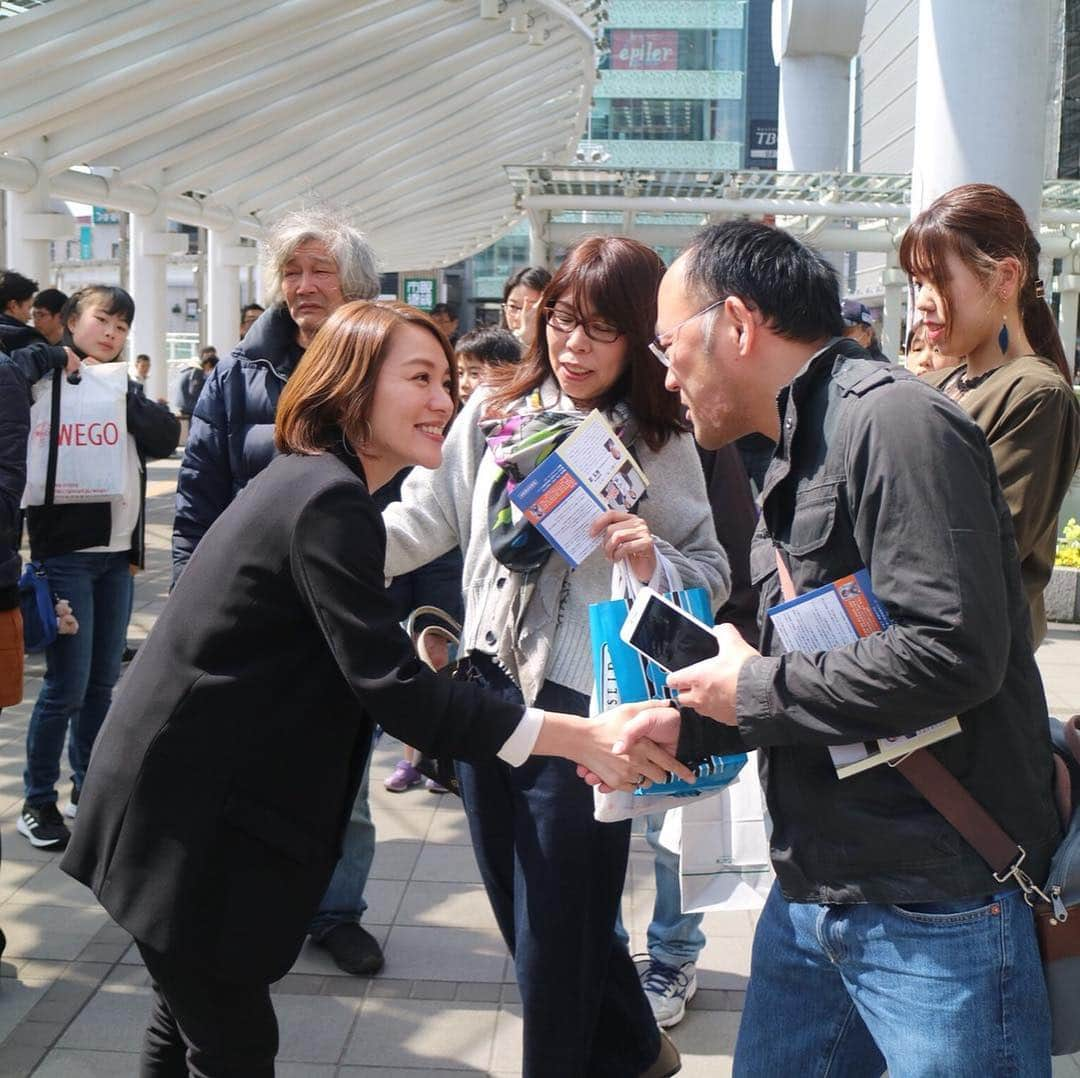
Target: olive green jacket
{"points": [[1031, 418]]}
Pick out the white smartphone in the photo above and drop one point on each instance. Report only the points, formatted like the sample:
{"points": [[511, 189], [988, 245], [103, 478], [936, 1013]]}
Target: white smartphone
{"points": [[667, 634]]}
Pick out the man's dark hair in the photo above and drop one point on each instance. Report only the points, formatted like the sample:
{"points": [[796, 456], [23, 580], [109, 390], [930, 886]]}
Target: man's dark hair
{"points": [[792, 286], [490, 344], [15, 287], [142, 355], [208, 352], [250, 307], [51, 300], [445, 308]]}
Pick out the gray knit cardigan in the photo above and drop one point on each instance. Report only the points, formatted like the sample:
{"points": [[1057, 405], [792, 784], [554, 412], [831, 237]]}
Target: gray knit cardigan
{"points": [[449, 507]]}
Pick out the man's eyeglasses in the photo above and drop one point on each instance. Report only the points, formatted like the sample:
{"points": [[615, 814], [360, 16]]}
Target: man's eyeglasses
{"points": [[563, 321], [659, 350]]}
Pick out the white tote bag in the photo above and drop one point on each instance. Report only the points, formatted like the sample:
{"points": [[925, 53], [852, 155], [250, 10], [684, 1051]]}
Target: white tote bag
{"points": [[723, 847], [88, 449]]}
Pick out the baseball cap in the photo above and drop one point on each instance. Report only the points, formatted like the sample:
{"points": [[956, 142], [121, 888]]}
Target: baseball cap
{"points": [[855, 313]]}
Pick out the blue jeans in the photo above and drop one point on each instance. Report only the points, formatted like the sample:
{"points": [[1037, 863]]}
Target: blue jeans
{"points": [[554, 877], [344, 902], [674, 937], [950, 989], [80, 670]]}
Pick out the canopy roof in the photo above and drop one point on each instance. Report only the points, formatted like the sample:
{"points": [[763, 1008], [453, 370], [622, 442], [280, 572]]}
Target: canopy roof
{"points": [[226, 115]]}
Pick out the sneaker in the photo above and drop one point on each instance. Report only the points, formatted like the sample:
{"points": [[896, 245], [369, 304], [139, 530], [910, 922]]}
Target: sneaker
{"points": [[403, 776], [667, 1062], [433, 787], [669, 989], [353, 949], [43, 826], [71, 809]]}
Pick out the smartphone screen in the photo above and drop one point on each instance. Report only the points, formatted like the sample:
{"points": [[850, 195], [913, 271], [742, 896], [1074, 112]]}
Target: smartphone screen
{"points": [[672, 639]]}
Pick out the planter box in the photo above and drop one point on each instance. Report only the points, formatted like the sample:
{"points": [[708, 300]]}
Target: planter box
{"points": [[1062, 595]]}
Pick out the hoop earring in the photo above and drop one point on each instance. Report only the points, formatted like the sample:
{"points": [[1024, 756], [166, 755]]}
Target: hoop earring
{"points": [[1003, 337]]}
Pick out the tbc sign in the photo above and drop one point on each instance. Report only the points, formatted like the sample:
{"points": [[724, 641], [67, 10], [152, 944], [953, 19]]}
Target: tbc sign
{"points": [[762, 144], [652, 50]]}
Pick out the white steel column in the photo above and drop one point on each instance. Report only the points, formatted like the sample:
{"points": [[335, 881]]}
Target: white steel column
{"points": [[225, 257], [31, 224], [981, 99], [538, 246], [151, 244], [894, 280], [814, 41]]}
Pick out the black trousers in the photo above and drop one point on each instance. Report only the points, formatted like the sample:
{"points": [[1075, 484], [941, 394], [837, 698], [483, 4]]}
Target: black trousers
{"points": [[554, 877], [205, 1027]]}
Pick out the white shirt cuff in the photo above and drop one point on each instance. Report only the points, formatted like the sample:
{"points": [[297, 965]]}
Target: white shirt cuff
{"points": [[519, 745]]}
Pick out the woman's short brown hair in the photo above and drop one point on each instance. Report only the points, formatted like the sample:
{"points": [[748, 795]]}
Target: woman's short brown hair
{"points": [[331, 391]]}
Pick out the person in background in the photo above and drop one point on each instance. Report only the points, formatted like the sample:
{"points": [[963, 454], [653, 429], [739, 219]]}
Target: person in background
{"points": [[975, 263], [554, 875], [521, 295], [217, 797], [859, 326], [87, 550], [142, 369], [190, 387], [45, 311], [922, 357], [480, 353], [445, 316], [314, 262], [674, 940], [249, 315], [16, 300]]}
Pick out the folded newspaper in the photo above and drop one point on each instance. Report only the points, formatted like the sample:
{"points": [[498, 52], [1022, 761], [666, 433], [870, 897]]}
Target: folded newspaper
{"points": [[830, 617], [590, 473]]}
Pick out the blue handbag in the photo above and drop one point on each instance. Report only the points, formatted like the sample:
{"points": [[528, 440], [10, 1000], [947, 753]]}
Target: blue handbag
{"points": [[38, 606]]}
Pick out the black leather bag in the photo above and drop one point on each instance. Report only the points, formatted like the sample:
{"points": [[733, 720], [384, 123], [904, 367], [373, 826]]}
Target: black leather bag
{"points": [[440, 769]]}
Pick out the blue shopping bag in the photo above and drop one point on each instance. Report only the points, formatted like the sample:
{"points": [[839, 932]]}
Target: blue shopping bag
{"points": [[623, 675]]}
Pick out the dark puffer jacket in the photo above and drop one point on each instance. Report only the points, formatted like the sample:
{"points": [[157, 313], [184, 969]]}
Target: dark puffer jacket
{"points": [[17, 374], [232, 428]]}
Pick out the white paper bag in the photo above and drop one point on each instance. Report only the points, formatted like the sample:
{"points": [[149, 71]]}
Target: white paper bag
{"points": [[723, 847], [91, 439]]}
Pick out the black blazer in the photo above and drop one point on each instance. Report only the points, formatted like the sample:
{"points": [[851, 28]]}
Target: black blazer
{"points": [[213, 809]]}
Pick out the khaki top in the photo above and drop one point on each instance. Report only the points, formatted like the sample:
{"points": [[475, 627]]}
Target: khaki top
{"points": [[1031, 418]]}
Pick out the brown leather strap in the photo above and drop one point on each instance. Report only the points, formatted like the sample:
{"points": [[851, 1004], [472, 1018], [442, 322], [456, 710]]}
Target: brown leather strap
{"points": [[787, 585], [930, 777]]}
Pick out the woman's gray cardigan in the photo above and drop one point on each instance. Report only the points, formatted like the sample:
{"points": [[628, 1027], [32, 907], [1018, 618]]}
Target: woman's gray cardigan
{"points": [[449, 507]]}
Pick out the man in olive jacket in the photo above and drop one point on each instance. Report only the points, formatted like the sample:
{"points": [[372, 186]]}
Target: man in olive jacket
{"points": [[887, 941]]}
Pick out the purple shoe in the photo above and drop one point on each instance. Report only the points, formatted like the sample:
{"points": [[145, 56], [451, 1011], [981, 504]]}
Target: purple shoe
{"points": [[403, 776]]}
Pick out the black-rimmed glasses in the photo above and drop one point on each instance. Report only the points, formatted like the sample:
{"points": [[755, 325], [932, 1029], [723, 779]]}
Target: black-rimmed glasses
{"points": [[564, 321]]}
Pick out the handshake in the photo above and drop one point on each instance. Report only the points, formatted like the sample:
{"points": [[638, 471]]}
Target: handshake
{"points": [[630, 746]]}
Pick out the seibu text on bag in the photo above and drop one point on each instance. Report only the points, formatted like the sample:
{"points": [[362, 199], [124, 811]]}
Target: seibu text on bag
{"points": [[77, 449]]}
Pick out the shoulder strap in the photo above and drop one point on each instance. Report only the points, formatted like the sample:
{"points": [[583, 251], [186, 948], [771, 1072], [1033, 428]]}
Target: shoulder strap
{"points": [[54, 438], [948, 795]]}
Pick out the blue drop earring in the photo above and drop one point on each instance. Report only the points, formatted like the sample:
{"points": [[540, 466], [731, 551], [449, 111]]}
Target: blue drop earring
{"points": [[1003, 337]]}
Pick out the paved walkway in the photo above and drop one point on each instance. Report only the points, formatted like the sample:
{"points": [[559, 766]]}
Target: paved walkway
{"points": [[74, 996]]}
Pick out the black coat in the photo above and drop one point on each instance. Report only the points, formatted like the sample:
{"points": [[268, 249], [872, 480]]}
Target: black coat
{"points": [[212, 814]]}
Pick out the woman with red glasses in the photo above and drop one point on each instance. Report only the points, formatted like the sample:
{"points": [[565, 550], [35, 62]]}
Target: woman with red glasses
{"points": [[555, 876]]}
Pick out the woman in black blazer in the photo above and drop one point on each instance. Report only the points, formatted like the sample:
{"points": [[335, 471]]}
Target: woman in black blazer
{"points": [[219, 788]]}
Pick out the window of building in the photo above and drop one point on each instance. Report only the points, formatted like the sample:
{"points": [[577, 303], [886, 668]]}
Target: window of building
{"points": [[674, 119]]}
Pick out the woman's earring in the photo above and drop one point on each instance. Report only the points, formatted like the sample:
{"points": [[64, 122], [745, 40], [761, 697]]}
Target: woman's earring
{"points": [[1003, 336]]}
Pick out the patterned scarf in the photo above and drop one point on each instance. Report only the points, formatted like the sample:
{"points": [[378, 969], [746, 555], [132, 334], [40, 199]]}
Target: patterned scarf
{"points": [[520, 443]]}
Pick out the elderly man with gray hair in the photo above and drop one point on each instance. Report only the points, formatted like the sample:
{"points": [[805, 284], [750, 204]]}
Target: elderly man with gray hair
{"points": [[313, 262]]}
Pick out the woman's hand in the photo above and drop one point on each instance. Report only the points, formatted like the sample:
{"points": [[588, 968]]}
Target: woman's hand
{"points": [[627, 538], [66, 625], [588, 742]]}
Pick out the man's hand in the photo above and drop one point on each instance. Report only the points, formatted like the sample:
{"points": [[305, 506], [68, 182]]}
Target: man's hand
{"points": [[709, 687]]}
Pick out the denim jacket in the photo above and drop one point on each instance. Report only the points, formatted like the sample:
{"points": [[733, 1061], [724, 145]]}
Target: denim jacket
{"points": [[874, 470]]}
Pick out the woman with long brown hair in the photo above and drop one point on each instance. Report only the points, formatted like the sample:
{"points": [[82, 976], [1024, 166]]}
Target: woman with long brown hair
{"points": [[553, 874], [974, 261], [222, 780]]}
